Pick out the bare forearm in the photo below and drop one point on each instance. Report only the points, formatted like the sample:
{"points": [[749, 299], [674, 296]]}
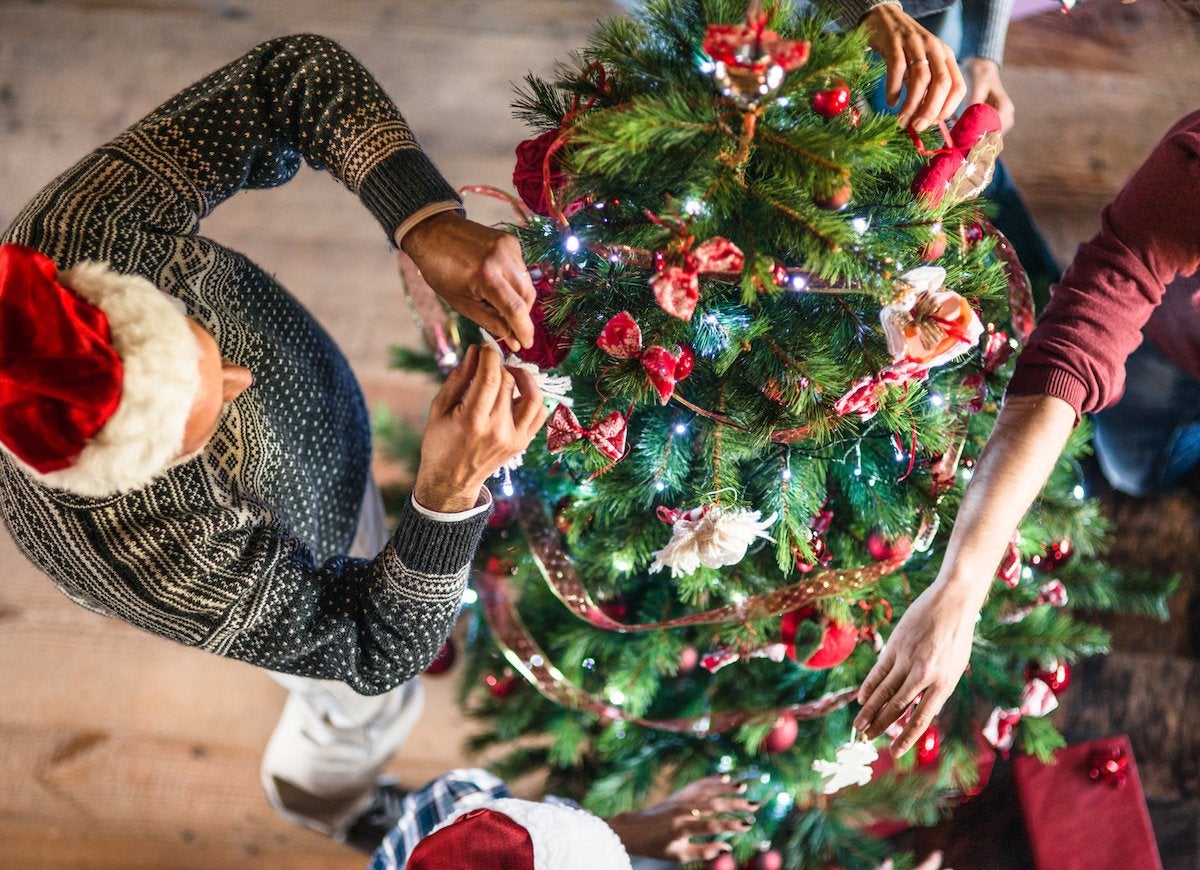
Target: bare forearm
{"points": [[1029, 437]]}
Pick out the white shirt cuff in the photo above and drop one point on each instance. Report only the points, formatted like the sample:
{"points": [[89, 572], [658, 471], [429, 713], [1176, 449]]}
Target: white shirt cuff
{"points": [[485, 502], [423, 214]]}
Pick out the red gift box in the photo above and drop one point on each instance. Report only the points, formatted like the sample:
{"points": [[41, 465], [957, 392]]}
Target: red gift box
{"points": [[1087, 810]]}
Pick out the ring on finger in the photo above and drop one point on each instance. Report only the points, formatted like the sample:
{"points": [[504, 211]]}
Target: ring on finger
{"points": [[695, 813], [917, 61]]}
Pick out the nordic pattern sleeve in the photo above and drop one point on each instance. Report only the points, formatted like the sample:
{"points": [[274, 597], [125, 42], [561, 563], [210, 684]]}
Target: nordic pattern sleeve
{"points": [[985, 28], [250, 123], [229, 580], [1148, 235], [372, 624]]}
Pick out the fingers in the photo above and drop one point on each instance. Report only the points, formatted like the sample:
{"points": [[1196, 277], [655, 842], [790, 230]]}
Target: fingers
{"points": [[884, 686], [945, 89], [892, 52], [688, 852], [529, 411], [485, 385], [456, 384], [882, 666], [923, 715], [917, 76]]}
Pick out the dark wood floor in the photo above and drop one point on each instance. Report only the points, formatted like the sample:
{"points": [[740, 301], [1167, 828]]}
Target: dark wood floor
{"points": [[119, 751]]}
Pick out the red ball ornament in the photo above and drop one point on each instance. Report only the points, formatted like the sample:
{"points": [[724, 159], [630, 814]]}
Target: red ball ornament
{"points": [[837, 642], [1056, 555], [855, 116], [768, 860], [444, 660], [831, 103], [499, 565], [928, 746], [835, 200], [782, 735], [883, 550], [724, 861], [500, 686], [1055, 673], [688, 659], [684, 362], [934, 249], [614, 608], [503, 514]]}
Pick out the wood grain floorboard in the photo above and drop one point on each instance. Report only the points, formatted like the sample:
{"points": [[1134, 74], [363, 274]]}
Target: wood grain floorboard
{"points": [[121, 751]]}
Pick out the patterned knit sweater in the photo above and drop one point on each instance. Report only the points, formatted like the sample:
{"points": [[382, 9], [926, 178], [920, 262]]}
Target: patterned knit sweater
{"points": [[240, 551]]}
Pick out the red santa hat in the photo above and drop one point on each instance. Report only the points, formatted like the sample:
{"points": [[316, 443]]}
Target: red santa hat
{"points": [[98, 372], [511, 834]]}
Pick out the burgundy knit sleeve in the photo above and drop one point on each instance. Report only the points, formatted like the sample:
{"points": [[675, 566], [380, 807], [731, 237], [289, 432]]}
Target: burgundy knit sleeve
{"points": [[1148, 235]]}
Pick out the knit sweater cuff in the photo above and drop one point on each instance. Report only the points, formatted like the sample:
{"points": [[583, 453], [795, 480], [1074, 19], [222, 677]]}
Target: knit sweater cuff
{"points": [[434, 546], [401, 185], [985, 29], [850, 12], [1048, 381]]}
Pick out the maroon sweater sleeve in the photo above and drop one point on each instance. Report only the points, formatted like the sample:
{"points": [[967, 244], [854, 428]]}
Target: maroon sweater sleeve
{"points": [[1148, 235]]}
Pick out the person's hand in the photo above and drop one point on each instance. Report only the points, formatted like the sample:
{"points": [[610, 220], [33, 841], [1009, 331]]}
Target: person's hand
{"points": [[475, 426], [918, 59], [984, 86], [479, 271], [708, 806], [925, 655]]}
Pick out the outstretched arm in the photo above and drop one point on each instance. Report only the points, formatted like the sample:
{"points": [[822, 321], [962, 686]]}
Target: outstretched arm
{"points": [[928, 650]]}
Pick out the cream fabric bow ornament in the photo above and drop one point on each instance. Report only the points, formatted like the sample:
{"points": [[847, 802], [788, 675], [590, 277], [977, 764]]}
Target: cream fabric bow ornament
{"points": [[710, 535]]}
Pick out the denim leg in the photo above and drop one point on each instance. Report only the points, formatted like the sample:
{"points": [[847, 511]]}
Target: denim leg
{"points": [[1150, 439]]}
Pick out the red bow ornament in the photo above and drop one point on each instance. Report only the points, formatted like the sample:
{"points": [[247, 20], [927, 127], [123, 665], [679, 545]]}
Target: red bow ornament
{"points": [[1009, 572], [677, 287], [622, 338], [1109, 765], [864, 394], [1037, 700], [607, 436], [750, 61], [1052, 592]]}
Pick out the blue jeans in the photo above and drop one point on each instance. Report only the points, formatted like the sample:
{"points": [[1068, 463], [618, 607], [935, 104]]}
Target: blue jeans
{"points": [[1150, 439]]}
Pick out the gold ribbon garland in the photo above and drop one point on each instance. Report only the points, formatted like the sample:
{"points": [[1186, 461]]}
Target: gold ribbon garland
{"points": [[527, 658]]}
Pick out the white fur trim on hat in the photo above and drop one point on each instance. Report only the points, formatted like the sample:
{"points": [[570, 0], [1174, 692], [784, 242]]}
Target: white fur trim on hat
{"points": [[563, 837], [160, 357]]}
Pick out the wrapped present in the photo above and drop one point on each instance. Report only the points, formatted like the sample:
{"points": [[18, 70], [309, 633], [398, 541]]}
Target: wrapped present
{"points": [[1087, 810]]}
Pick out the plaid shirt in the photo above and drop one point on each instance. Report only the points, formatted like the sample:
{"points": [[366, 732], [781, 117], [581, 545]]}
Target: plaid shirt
{"points": [[425, 809]]}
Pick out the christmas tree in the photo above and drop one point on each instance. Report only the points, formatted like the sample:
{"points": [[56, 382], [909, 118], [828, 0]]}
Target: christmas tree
{"points": [[786, 325]]}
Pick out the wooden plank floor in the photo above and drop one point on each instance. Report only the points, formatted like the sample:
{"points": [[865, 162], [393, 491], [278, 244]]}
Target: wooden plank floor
{"points": [[121, 751]]}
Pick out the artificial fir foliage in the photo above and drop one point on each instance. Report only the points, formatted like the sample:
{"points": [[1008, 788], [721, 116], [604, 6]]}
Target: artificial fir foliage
{"points": [[719, 223]]}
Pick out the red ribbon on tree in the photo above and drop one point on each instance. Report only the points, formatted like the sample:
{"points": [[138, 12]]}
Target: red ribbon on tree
{"points": [[607, 436], [622, 338]]}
